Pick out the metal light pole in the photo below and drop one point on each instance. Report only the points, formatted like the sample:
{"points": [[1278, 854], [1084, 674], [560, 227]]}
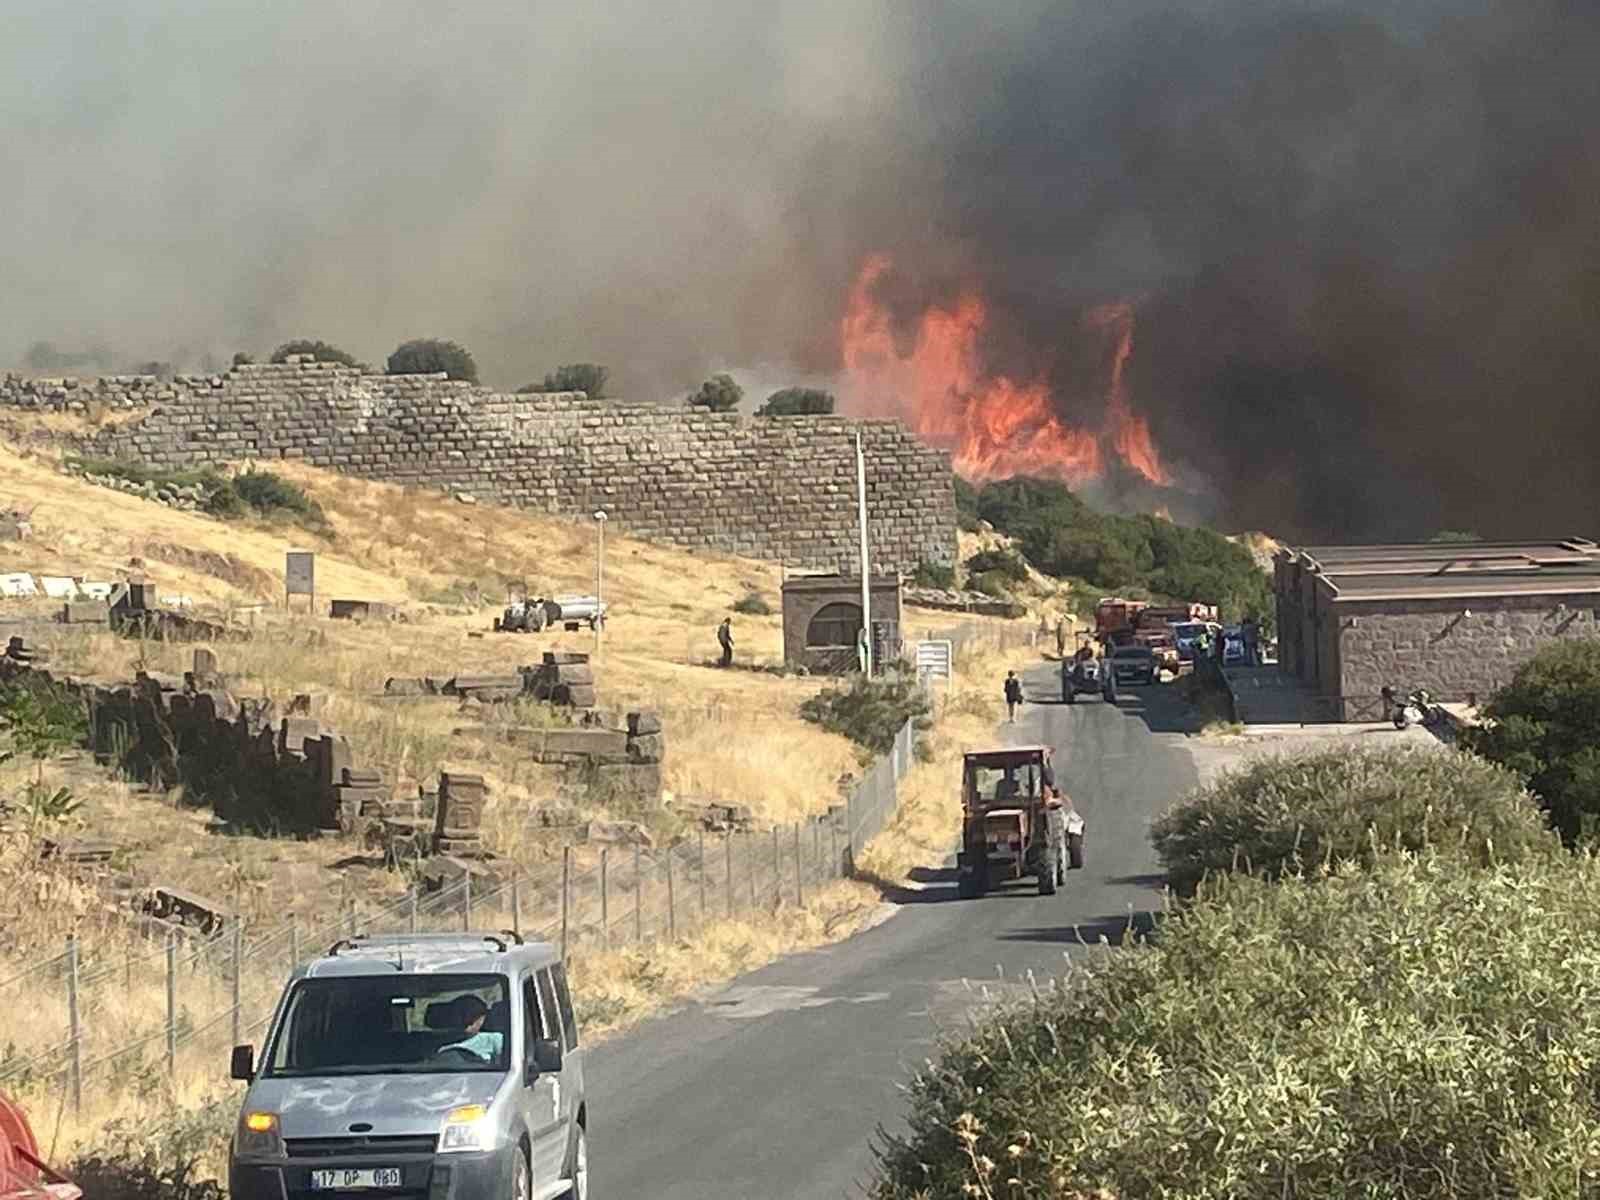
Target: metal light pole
{"points": [[866, 589], [599, 580]]}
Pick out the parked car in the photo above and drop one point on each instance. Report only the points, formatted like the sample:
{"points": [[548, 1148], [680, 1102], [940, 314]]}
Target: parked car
{"points": [[417, 1065], [1188, 633], [1135, 664], [1233, 651]]}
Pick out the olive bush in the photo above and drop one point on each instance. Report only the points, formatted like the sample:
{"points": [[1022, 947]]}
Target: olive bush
{"points": [[1275, 814], [1406, 1029]]}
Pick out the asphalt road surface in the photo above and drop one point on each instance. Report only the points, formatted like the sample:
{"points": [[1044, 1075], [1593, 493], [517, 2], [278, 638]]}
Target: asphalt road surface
{"points": [[774, 1087]]}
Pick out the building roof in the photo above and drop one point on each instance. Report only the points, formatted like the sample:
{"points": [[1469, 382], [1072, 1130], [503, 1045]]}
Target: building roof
{"points": [[1454, 570], [833, 583]]}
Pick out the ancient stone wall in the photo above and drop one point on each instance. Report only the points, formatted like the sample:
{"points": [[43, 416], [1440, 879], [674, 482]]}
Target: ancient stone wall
{"points": [[1431, 644], [776, 488]]}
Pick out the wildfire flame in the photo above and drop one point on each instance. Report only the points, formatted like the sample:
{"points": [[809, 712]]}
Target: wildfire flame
{"points": [[994, 426]]}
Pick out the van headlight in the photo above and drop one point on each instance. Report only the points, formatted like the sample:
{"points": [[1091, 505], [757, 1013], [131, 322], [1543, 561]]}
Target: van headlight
{"points": [[259, 1135], [466, 1128]]}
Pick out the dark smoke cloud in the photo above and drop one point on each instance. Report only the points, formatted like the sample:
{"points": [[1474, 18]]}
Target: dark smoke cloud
{"points": [[1365, 236]]}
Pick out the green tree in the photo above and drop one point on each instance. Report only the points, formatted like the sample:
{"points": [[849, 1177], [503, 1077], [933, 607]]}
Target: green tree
{"points": [[430, 356], [797, 402], [717, 394], [1545, 726], [241, 359], [588, 378], [319, 351]]}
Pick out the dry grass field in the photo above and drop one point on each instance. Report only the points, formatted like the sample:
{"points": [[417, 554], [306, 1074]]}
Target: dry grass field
{"points": [[732, 736]]}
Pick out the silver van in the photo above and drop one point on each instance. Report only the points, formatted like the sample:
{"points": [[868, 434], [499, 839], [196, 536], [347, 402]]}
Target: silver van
{"points": [[437, 1066]]}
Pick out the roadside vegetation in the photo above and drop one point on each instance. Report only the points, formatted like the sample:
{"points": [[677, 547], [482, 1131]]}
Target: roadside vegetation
{"points": [[255, 493], [1411, 1029], [1139, 556], [1312, 813]]}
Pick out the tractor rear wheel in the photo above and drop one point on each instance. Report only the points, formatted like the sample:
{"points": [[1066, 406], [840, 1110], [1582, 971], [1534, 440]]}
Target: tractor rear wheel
{"points": [[1075, 850]]}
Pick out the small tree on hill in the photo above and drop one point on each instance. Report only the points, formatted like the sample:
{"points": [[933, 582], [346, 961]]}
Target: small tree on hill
{"points": [[588, 378], [319, 351], [797, 402], [1543, 726], [429, 356], [717, 394]]}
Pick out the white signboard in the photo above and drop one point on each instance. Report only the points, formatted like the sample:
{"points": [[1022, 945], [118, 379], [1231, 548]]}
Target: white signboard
{"points": [[20, 584], [95, 590], [936, 658], [59, 587], [299, 573]]}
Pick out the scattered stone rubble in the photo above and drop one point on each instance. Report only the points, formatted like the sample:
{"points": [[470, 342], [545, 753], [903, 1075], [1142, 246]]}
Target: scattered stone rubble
{"points": [[184, 497], [954, 600]]}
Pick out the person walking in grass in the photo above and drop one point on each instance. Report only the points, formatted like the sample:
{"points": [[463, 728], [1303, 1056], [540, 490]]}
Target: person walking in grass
{"points": [[725, 640], [1013, 696]]}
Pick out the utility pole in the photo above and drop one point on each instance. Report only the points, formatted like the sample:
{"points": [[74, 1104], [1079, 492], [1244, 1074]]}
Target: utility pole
{"points": [[866, 586]]}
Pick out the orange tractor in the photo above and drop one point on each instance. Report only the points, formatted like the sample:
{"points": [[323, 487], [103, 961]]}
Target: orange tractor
{"points": [[23, 1174]]}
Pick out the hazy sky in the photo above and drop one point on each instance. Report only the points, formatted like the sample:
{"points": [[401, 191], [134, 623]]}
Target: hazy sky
{"points": [[1364, 236]]}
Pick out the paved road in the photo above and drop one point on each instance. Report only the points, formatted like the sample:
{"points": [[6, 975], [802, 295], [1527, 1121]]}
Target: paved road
{"points": [[772, 1088]]}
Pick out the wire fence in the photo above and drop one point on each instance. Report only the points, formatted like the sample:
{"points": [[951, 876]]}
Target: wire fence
{"points": [[108, 1020]]}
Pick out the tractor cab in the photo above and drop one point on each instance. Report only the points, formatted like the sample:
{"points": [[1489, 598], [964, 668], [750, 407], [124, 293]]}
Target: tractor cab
{"points": [[1013, 822]]}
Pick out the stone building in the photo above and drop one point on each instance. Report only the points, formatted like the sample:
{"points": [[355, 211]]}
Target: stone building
{"points": [[1455, 618], [822, 621]]}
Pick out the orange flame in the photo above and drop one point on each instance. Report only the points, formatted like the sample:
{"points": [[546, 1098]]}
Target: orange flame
{"points": [[994, 426]]}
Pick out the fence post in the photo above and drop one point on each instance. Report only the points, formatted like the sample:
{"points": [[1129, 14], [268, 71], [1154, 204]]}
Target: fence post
{"points": [[638, 906], [777, 870], [702, 877], [466, 904], [238, 970], [412, 906], [516, 905], [750, 856], [566, 896], [727, 855], [294, 943], [605, 897], [74, 1031], [172, 1005], [833, 846], [672, 903], [850, 830], [816, 845], [799, 891]]}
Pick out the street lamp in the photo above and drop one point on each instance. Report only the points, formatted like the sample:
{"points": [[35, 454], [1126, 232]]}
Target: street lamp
{"points": [[599, 579]]}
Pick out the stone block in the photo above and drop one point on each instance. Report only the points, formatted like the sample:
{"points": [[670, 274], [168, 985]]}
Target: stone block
{"points": [[576, 695], [643, 723], [611, 744], [360, 776], [295, 732], [646, 748], [85, 612], [618, 833]]}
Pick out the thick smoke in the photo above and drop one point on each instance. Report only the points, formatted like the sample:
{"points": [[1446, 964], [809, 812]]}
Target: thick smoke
{"points": [[1364, 236]]}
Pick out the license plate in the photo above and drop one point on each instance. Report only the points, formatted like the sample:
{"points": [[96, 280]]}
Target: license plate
{"points": [[341, 1178]]}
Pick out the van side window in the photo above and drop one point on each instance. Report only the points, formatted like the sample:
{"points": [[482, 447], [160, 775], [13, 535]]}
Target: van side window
{"points": [[569, 1020], [547, 1004], [537, 1026]]}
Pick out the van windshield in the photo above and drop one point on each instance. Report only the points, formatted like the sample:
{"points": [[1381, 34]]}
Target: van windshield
{"points": [[393, 1025]]}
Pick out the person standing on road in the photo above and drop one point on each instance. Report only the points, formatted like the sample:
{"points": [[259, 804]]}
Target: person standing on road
{"points": [[1013, 696], [1061, 637], [725, 640]]}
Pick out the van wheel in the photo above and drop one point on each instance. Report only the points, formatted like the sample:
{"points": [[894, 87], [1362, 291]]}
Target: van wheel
{"points": [[1075, 850], [521, 1175], [578, 1166]]}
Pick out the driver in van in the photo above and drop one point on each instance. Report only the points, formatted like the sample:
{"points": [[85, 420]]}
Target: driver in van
{"points": [[470, 1014]]}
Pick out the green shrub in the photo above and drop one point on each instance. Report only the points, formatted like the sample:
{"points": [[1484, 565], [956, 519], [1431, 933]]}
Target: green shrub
{"points": [[588, 378], [934, 575], [1412, 1032], [1276, 813], [797, 402], [165, 1159], [752, 604], [319, 351], [1544, 726], [870, 712], [1001, 563], [720, 393], [428, 356], [272, 495]]}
